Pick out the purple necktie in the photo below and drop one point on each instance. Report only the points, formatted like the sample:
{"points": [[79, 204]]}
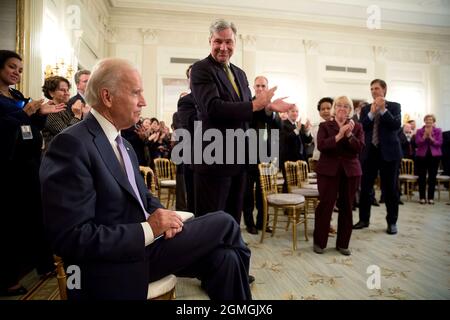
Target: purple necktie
{"points": [[129, 171]]}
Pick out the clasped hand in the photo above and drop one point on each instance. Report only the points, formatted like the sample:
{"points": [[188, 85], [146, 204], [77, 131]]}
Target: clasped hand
{"points": [[166, 222], [379, 104]]}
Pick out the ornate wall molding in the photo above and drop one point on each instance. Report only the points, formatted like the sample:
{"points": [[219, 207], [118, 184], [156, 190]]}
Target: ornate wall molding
{"points": [[311, 47], [248, 41], [380, 53], [149, 36], [434, 57]]}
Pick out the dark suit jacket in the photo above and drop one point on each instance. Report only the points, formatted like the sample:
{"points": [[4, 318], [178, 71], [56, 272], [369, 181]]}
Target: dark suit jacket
{"points": [[344, 153], [389, 125], [293, 146], [92, 215], [219, 107]]}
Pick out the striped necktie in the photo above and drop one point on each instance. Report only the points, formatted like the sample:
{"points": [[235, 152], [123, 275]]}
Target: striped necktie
{"points": [[231, 78], [376, 123]]}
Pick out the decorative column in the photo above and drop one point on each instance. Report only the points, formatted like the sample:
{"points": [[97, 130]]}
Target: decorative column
{"points": [[33, 76], [435, 90], [312, 79], [249, 56], [150, 71], [380, 54]]}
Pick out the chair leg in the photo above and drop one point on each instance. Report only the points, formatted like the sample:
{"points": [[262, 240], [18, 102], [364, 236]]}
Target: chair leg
{"points": [[306, 227], [294, 230], [275, 220], [264, 226]]}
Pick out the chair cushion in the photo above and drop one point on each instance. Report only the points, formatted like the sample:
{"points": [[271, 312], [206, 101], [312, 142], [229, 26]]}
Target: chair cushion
{"points": [[306, 192], [308, 186], [280, 182], [408, 177], [312, 175], [162, 286], [168, 183], [281, 199], [443, 177], [312, 181]]}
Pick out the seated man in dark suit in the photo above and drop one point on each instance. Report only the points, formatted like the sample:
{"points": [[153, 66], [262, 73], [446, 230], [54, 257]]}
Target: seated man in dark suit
{"points": [[100, 216]]}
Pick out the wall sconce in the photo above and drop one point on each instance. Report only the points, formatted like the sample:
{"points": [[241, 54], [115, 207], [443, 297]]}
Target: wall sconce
{"points": [[59, 69]]}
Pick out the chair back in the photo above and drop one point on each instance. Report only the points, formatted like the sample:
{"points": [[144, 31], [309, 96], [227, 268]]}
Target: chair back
{"points": [[165, 169], [292, 174], [312, 165], [149, 178], [303, 171], [268, 178], [407, 166], [61, 277]]}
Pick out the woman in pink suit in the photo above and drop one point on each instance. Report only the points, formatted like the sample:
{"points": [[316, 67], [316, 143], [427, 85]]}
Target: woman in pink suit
{"points": [[338, 172], [428, 155]]}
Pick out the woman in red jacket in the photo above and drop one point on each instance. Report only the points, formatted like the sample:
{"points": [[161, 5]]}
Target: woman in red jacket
{"points": [[338, 172]]}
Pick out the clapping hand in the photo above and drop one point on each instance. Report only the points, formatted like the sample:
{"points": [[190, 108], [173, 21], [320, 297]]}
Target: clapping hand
{"points": [[51, 107], [351, 125], [279, 105], [33, 106]]}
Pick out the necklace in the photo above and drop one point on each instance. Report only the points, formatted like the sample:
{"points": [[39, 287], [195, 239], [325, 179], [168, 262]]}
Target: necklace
{"points": [[7, 94]]}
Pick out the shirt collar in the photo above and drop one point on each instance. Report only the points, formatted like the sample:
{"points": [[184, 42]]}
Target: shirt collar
{"points": [[108, 128]]}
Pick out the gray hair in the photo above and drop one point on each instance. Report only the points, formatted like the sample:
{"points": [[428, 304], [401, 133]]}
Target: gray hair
{"points": [[79, 74], [107, 73], [220, 25]]}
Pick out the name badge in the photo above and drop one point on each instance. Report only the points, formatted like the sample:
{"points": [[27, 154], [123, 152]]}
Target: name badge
{"points": [[26, 132]]}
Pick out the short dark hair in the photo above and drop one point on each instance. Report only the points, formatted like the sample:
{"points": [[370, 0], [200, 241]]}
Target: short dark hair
{"points": [[382, 83], [325, 99], [153, 120], [79, 74], [51, 84], [5, 55]]}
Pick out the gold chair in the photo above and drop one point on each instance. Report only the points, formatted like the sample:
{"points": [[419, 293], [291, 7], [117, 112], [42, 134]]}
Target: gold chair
{"points": [[303, 171], [163, 289], [166, 175], [149, 178], [292, 175], [407, 176], [293, 204], [442, 179], [312, 165]]}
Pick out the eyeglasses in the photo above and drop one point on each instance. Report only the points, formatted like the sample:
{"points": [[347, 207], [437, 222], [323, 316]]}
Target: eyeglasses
{"points": [[342, 106]]}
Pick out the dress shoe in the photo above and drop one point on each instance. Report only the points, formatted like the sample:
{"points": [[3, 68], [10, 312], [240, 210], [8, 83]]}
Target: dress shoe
{"points": [[375, 203], [20, 291], [268, 229], [400, 202], [344, 251], [422, 201], [431, 201], [392, 229], [252, 230], [361, 225], [318, 249], [251, 279]]}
